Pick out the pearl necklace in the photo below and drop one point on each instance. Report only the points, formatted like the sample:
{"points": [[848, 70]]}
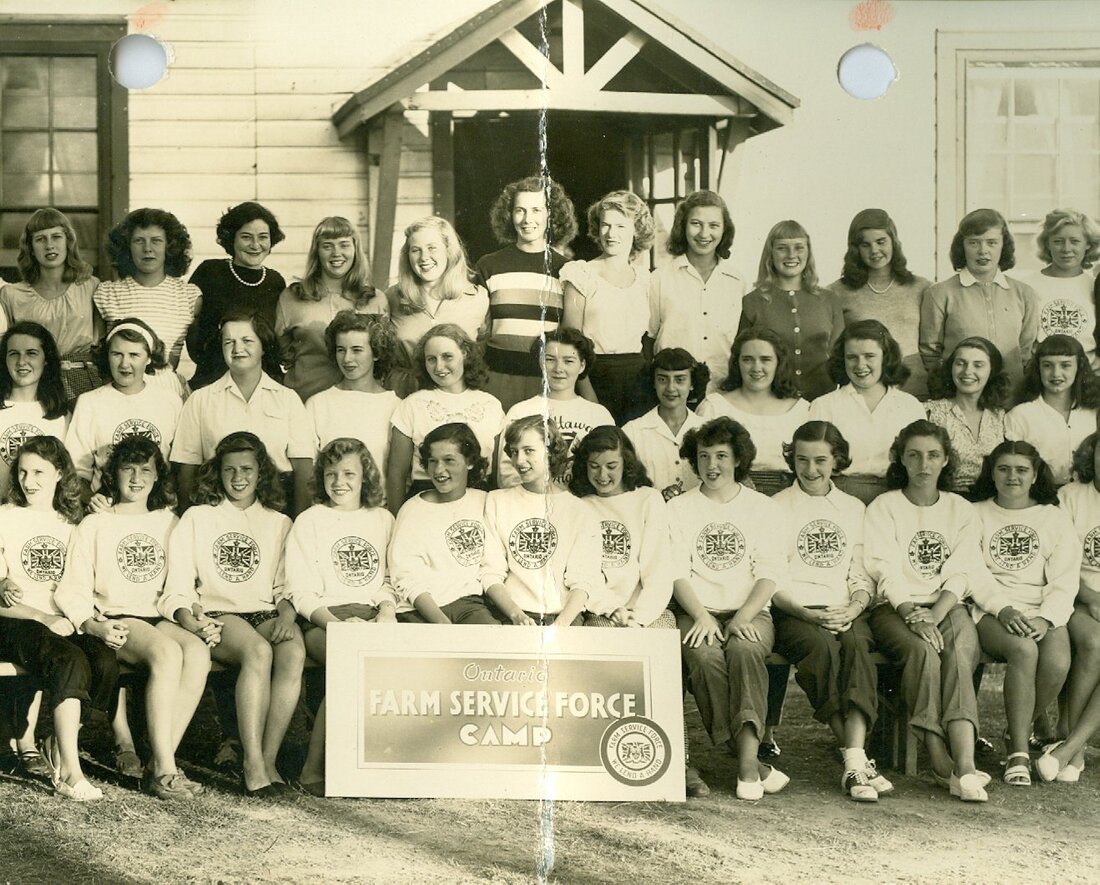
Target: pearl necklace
{"points": [[236, 276], [889, 286]]}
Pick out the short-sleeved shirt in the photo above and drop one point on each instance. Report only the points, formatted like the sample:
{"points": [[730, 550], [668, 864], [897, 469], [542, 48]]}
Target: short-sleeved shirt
{"points": [[969, 450], [614, 318], [469, 311], [169, 307], [1066, 308], [421, 412], [768, 432], [69, 318], [353, 413], [658, 448], [869, 434]]}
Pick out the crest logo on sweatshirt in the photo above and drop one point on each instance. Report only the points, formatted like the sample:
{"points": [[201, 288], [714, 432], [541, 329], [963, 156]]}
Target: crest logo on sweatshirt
{"points": [[720, 545], [13, 438], [616, 543], [236, 557], [821, 543], [927, 553], [1092, 547], [1014, 547], [43, 558], [533, 542], [140, 557], [136, 427], [466, 541], [355, 560], [1062, 317]]}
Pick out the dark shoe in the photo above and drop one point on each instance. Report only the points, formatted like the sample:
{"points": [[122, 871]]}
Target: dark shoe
{"points": [[128, 764], [33, 765], [168, 787], [696, 787], [768, 750]]}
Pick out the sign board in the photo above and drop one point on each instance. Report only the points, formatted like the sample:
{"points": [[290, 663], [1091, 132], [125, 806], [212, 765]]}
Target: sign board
{"points": [[429, 710]]}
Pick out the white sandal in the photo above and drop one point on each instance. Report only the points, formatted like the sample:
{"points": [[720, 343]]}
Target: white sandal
{"points": [[82, 791]]}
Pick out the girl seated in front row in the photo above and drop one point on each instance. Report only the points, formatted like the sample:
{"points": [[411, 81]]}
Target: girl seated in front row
{"points": [[729, 559], [226, 564], [336, 564], [438, 542], [114, 575], [921, 546], [820, 617], [542, 545], [1033, 554]]}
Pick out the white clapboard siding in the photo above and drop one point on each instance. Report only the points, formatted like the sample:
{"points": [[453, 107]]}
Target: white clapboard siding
{"points": [[172, 133], [313, 81], [206, 81], [206, 56], [151, 108], [300, 107], [172, 159], [297, 133], [344, 160]]}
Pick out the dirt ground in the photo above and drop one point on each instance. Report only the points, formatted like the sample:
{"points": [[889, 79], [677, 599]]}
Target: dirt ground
{"points": [[809, 833]]}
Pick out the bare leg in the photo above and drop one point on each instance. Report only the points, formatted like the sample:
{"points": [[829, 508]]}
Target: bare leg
{"points": [[25, 742], [313, 770], [146, 646], [243, 647], [192, 683], [1084, 677], [120, 725], [286, 686], [66, 723]]}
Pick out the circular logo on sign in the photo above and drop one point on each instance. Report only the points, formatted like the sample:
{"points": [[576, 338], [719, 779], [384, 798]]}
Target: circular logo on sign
{"points": [[927, 552], [821, 543], [466, 541], [635, 751], [355, 560], [236, 557], [13, 438], [1062, 317], [1092, 547], [135, 427], [720, 545], [1014, 547], [43, 558], [616, 543], [140, 557], [533, 542]]}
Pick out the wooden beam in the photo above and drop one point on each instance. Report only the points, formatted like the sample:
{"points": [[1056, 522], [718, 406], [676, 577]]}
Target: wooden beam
{"points": [[615, 59], [572, 27], [575, 100], [532, 59], [443, 165], [712, 163], [389, 174]]}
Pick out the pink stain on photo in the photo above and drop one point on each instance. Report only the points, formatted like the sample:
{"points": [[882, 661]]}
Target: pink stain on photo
{"points": [[871, 15]]}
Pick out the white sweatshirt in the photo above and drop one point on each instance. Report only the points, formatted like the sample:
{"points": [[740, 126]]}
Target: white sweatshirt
{"points": [[574, 418], [1082, 502], [33, 545]]}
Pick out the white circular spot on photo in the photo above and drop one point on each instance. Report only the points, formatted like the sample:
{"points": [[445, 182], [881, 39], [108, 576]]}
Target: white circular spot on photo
{"points": [[138, 61], [866, 71]]}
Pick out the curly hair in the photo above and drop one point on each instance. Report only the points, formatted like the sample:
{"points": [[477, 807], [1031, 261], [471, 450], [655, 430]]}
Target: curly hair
{"points": [[1084, 394], [575, 338], [783, 385], [139, 450], [676, 359], [714, 433], [66, 496], [177, 245], [786, 230], [557, 449], [380, 333], [677, 236], [894, 372], [407, 297], [269, 487], [606, 438], [633, 207], [1084, 459], [50, 392], [995, 393], [475, 373], [355, 282], [465, 441], [370, 492], [101, 352], [897, 477], [855, 273], [1060, 218], [77, 270], [236, 217], [269, 343], [820, 431], [1044, 490], [978, 222], [561, 223]]}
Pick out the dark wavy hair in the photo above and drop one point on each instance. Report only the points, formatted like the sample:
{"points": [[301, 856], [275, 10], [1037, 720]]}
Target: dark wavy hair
{"points": [[66, 497], [370, 492], [269, 486], [783, 385], [606, 438], [561, 221], [677, 236], [714, 433], [474, 372], [380, 334], [633, 207], [820, 431], [676, 359], [894, 372], [238, 216], [1084, 393], [978, 222], [575, 338], [77, 270], [1044, 490], [854, 275], [995, 393], [463, 437], [139, 450], [177, 246], [50, 392], [897, 477], [269, 343], [557, 450], [101, 351], [1084, 458]]}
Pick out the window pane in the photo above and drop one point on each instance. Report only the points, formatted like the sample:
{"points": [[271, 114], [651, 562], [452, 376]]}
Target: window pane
{"points": [[86, 225], [1034, 174], [989, 182], [1034, 136], [25, 190], [25, 152], [1036, 98], [73, 90], [74, 189], [11, 228], [23, 97], [1084, 97], [74, 152], [1081, 180], [1083, 135]]}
